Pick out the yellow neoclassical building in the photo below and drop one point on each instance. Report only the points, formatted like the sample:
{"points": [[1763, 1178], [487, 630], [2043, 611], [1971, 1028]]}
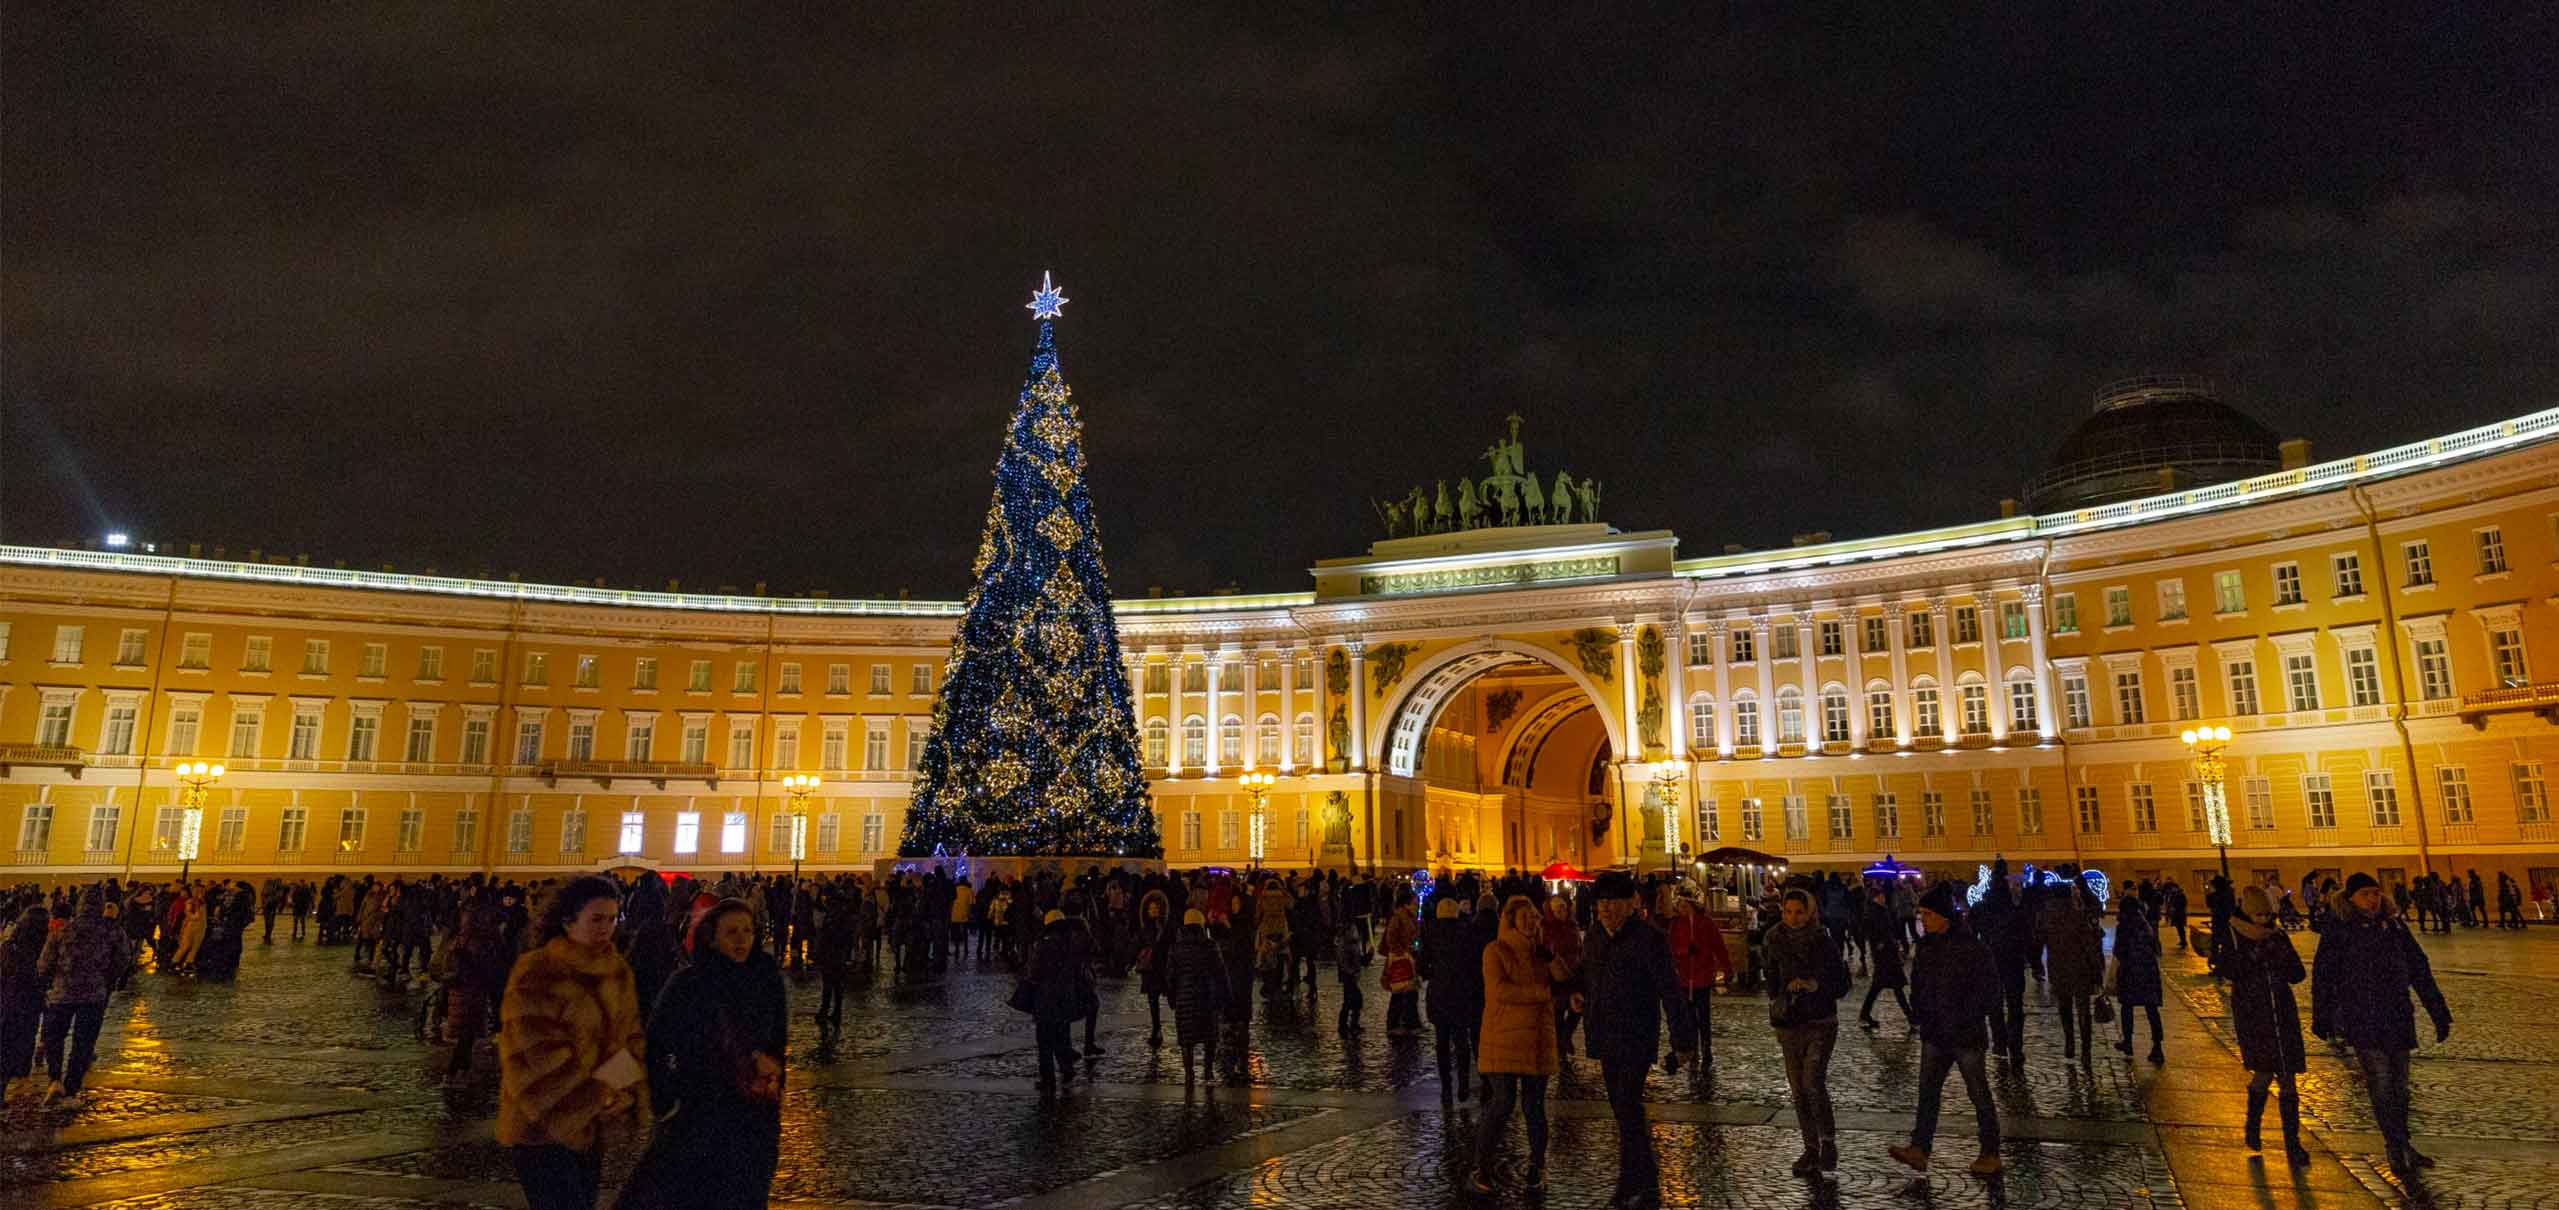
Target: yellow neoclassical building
{"points": [[1509, 694]]}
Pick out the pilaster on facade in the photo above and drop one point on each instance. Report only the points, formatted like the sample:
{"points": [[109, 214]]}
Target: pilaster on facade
{"points": [[1718, 631], [1763, 657], [2046, 718], [1810, 665], [1896, 635], [1359, 703], [1626, 683], [1674, 631], [1949, 721]]}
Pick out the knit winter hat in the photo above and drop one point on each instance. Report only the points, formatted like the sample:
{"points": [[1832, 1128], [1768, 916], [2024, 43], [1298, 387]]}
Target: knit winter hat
{"points": [[2256, 904], [1941, 900], [2358, 881]]}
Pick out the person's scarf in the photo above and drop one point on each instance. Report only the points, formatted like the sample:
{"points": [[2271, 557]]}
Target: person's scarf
{"points": [[2250, 929], [1797, 949]]}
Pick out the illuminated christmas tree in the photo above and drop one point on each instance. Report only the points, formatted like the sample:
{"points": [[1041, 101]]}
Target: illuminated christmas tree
{"points": [[1034, 743]]}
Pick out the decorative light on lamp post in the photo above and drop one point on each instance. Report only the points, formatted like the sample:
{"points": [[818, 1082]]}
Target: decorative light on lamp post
{"points": [[2212, 772], [1258, 783], [198, 778], [799, 786], [1667, 777]]}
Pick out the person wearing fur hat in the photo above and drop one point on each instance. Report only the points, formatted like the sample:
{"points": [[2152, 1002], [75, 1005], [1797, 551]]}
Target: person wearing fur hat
{"points": [[1952, 995], [2366, 967], [2262, 967]]}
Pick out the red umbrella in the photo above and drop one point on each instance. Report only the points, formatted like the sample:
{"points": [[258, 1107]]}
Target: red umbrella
{"points": [[1563, 871]]}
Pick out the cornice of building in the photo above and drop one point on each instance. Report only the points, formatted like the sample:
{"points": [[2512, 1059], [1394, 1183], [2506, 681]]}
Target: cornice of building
{"points": [[2396, 480]]}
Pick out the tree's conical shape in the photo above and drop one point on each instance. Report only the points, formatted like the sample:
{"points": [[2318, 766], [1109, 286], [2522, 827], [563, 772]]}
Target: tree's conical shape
{"points": [[1034, 744]]}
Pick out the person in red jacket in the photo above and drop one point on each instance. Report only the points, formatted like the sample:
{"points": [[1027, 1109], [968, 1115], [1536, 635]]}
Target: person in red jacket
{"points": [[1698, 951]]}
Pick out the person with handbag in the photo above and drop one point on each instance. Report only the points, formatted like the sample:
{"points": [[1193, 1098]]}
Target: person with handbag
{"points": [[1953, 991], [718, 1043], [1806, 978], [1399, 972], [570, 1049], [1698, 951]]}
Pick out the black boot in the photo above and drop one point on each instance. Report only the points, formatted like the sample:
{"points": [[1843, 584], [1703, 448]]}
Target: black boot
{"points": [[2256, 1110]]}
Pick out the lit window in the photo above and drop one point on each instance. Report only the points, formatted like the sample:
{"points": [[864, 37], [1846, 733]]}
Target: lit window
{"points": [[635, 826], [2505, 655], [644, 673], [2074, 700], [2119, 606], [2012, 619], [257, 654], [1156, 742], [2065, 613], [537, 668], [2259, 794], [1746, 722], [2030, 811], [639, 737], [1790, 716], [2021, 706], [1781, 643], [1842, 819], [2185, 697], [2243, 686], [2301, 681], [116, 737], [2229, 592], [2363, 677], [1834, 716], [315, 657], [362, 730], [573, 831], [1925, 720], [410, 836], [1798, 826], [2172, 599], [1701, 724], [1752, 825], [733, 832], [194, 651], [1976, 709], [131, 645], [374, 659], [68, 642], [1194, 742], [1879, 714], [688, 832]]}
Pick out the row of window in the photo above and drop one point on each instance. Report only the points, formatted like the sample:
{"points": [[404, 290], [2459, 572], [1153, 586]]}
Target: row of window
{"points": [[1830, 635], [231, 825], [1927, 718], [364, 738], [1230, 742], [257, 655], [2141, 807], [1230, 831], [2284, 583], [1158, 677], [2300, 686]]}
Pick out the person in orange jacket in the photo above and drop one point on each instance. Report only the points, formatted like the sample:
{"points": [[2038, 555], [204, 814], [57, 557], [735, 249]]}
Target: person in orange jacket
{"points": [[1698, 951]]}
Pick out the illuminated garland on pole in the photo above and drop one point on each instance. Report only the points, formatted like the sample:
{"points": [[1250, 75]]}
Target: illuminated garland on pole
{"points": [[1034, 744]]}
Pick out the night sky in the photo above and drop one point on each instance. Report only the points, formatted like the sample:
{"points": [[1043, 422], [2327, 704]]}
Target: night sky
{"points": [[736, 295]]}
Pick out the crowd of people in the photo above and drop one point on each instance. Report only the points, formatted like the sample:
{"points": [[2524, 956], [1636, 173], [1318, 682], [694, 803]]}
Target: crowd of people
{"points": [[668, 1000]]}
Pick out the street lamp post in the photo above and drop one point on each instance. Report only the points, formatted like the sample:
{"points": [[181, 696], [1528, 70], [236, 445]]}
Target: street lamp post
{"points": [[198, 778], [1667, 778], [799, 786], [2212, 772], [1258, 783]]}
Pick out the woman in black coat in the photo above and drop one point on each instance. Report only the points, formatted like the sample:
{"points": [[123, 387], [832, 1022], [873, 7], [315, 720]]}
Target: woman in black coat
{"points": [[1884, 941], [2137, 971], [21, 994], [1191, 970], [1062, 992], [1453, 969], [717, 1042], [2262, 967]]}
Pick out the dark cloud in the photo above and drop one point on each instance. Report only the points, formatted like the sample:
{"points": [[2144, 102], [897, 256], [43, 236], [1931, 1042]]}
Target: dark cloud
{"points": [[732, 296]]}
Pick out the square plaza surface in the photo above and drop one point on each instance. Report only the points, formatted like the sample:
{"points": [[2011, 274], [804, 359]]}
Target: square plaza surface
{"points": [[305, 1085]]}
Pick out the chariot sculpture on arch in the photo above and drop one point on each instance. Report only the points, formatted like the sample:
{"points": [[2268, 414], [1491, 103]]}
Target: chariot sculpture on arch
{"points": [[1508, 493]]}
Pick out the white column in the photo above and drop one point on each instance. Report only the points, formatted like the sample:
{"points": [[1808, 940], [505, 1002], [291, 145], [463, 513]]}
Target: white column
{"points": [[1948, 707], [1716, 632], [1761, 652], [1626, 687], [1173, 676], [1811, 667], [1896, 628], [1855, 679], [1216, 712], [1255, 758], [2042, 665], [1288, 709], [1359, 704], [1994, 664], [1675, 682]]}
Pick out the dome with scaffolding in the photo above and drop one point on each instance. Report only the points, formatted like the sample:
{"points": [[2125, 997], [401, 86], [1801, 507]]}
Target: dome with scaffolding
{"points": [[2152, 434]]}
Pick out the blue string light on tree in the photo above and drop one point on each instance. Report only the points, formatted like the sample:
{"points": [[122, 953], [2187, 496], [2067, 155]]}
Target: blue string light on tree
{"points": [[1033, 750]]}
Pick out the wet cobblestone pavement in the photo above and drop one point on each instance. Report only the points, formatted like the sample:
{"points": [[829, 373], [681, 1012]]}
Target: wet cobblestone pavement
{"points": [[306, 1086]]}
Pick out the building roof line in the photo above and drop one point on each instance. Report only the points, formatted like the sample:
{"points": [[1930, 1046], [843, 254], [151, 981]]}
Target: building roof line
{"points": [[2529, 429]]}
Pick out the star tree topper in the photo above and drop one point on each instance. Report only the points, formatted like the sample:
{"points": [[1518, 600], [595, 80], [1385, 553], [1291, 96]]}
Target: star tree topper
{"points": [[1046, 301]]}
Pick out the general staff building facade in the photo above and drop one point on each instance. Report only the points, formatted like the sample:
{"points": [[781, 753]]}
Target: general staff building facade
{"points": [[2379, 632]]}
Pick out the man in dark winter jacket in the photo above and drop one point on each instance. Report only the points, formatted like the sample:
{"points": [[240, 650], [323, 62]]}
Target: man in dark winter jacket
{"points": [[1626, 986], [1951, 996], [2359, 985], [2005, 932], [80, 965]]}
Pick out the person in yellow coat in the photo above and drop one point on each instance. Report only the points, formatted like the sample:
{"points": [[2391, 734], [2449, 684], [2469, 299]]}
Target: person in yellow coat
{"points": [[1518, 1049]]}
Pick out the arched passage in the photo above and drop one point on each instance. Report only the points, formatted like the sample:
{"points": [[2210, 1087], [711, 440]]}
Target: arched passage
{"points": [[1399, 734]]}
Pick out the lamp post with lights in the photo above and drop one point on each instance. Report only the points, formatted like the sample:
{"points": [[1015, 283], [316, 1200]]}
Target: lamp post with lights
{"points": [[798, 786], [198, 778], [2212, 772], [1668, 776], [1258, 783]]}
